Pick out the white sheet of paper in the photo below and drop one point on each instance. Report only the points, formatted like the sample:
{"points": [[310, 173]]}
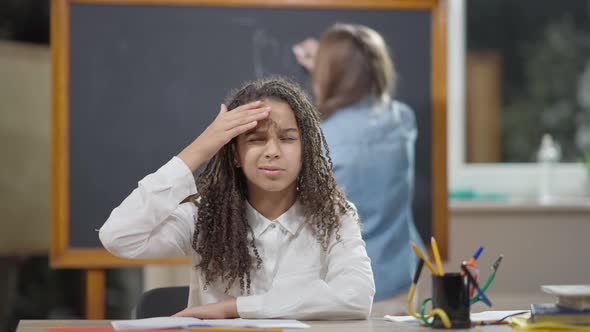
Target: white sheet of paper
{"points": [[258, 323], [475, 317], [402, 319], [155, 323], [180, 322], [567, 290], [494, 315]]}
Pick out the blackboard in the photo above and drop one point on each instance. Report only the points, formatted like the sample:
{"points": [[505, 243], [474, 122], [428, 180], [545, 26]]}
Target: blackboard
{"points": [[135, 82]]}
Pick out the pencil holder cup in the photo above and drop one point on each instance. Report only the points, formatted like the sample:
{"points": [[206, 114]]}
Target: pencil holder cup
{"points": [[450, 293]]}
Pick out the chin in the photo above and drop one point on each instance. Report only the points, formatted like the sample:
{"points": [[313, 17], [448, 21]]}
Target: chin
{"points": [[273, 186]]}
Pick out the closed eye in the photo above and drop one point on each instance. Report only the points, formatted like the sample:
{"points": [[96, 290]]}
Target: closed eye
{"points": [[255, 139]]}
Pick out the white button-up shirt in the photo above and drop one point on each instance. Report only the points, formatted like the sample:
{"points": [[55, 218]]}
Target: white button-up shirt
{"points": [[297, 279]]}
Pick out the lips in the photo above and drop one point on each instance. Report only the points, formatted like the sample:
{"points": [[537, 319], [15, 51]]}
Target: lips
{"points": [[271, 168], [271, 171]]}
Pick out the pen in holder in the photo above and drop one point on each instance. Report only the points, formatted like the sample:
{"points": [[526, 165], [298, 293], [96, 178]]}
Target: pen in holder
{"points": [[450, 293]]}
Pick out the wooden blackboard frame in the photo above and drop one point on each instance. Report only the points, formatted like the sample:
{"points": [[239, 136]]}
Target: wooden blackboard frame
{"points": [[96, 259]]}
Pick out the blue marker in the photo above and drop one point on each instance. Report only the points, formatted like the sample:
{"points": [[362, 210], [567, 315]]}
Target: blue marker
{"points": [[475, 256]]}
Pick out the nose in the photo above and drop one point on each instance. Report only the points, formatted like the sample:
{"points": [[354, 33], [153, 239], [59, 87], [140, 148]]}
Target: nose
{"points": [[273, 149]]}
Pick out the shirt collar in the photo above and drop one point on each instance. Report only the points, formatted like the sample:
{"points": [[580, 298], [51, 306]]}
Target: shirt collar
{"points": [[291, 220]]}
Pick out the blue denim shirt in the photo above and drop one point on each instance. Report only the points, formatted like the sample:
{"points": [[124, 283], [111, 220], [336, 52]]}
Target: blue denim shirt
{"points": [[372, 148]]}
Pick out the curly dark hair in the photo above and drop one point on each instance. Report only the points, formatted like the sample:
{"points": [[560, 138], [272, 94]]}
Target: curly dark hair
{"points": [[221, 229]]}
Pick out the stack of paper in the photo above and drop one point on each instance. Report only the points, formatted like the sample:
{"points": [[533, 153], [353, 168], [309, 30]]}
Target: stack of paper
{"points": [[575, 297]]}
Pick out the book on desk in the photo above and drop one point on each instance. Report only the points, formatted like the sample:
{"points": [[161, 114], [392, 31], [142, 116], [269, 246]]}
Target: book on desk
{"points": [[551, 312]]}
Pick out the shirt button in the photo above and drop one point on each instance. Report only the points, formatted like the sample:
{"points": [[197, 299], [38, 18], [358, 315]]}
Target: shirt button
{"points": [[273, 225]]}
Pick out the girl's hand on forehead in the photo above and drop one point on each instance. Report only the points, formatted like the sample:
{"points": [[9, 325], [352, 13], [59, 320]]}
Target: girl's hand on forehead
{"points": [[227, 125], [230, 124]]}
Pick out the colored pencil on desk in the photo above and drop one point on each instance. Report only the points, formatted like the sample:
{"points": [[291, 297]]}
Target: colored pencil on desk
{"points": [[424, 258], [482, 295], [475, 256], [436, 253]]}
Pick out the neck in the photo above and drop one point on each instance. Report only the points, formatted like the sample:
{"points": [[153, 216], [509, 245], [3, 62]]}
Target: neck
{"points": [[272, 204]]}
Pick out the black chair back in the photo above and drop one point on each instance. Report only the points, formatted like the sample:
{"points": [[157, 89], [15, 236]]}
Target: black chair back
{"points": [[159, 302]]}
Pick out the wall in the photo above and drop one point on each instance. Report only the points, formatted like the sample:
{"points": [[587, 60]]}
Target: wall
{"points": [[541, 244], [25, 113]]}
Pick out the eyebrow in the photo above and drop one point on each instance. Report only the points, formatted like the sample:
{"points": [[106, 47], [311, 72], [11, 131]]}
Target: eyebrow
{"points": [[289, 130], [264, 131]]}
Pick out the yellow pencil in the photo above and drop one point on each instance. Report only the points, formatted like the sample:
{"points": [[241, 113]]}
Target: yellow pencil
{"points": [[424, 258], [436, 256]]}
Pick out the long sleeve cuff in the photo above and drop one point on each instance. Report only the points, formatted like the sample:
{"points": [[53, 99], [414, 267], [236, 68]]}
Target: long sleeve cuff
{"points": [[250, 306], [174, 175]]}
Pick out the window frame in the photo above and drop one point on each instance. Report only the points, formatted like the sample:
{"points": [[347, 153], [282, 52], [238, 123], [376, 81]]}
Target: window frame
{"points": [[518, 180]]}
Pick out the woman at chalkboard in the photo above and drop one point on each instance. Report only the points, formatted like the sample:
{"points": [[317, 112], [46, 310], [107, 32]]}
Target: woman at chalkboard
{"points": [[371, 139], [269, 232]]}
